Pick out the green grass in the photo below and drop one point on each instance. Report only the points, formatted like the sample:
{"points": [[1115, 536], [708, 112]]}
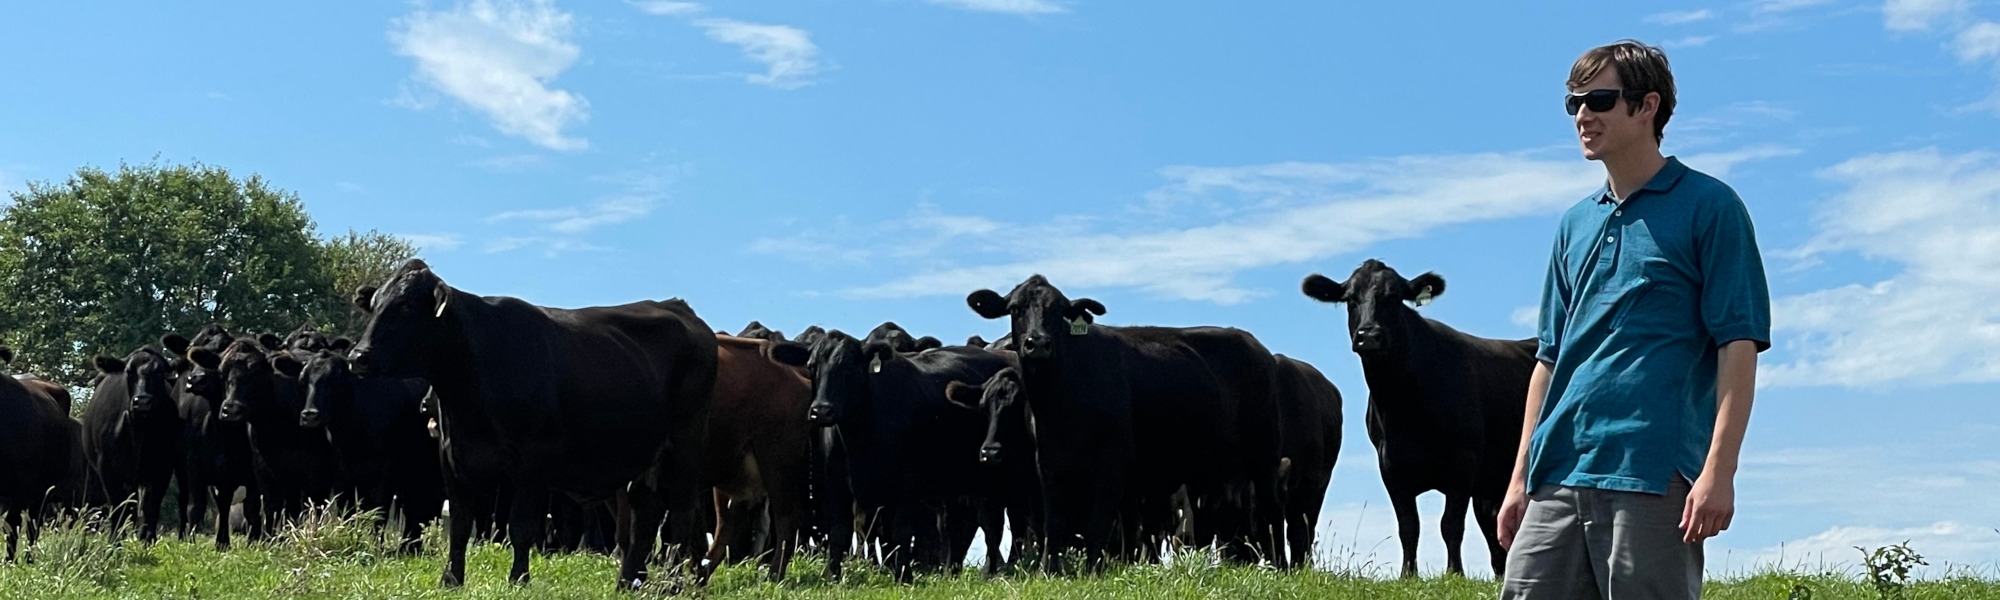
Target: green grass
{"points": [[79, 560]]}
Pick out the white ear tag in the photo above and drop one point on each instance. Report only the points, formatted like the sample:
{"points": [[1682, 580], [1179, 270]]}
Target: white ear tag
{"points": [[1079, 326], [875, 365], [1424, 296], [441, 305]]}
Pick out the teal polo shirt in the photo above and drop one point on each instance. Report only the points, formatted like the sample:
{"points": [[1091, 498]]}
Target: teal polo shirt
{"points": [[1640, 296]]}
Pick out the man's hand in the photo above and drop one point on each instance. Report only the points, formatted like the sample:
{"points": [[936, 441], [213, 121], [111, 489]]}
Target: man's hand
{"points": [[1711, 503], [1512, 511]]}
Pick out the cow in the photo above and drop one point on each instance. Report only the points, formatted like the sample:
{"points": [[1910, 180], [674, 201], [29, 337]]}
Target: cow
{"points": [[377, 428], [41, 453], [306, 340], [133, 431], [604, 403], [1444, 407], [911, 453], [757, 331], [758, 446], [1126, 416], [216, 455], [294, 466], [976, 341], [900, 339], [1012, 481], [1309, 413]]}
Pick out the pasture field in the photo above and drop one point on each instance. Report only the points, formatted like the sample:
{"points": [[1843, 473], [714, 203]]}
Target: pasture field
{"points": [[342, 558]]}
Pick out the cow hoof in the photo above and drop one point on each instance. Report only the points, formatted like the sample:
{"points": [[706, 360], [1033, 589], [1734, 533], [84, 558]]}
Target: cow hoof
{"points": [[451, 581], [518, 579]]}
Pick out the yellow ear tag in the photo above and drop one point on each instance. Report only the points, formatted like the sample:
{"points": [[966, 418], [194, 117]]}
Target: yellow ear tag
{"points": [[1079, 326], [1424, 296], [875, 365]]}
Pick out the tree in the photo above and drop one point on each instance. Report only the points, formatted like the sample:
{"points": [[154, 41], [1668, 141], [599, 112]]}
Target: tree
{"points": [[105, 262], [352, 261]]}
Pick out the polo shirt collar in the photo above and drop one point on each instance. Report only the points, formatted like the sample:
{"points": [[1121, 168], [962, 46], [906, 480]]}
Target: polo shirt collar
{"points": [[1662, 182]]}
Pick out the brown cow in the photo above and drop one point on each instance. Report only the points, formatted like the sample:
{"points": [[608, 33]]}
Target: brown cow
{"points": [[757, 446]]}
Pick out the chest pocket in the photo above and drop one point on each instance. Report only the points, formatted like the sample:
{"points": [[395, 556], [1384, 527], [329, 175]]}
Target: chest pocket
{"points": [[1635, 267]]}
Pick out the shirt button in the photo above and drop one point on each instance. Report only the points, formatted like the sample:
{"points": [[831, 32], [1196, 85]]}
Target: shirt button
{"points": [[1610, 238], [1617, 213]]}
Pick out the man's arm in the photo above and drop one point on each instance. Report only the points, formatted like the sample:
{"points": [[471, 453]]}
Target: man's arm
{"points": [[1515, 507], [1711, 503]]}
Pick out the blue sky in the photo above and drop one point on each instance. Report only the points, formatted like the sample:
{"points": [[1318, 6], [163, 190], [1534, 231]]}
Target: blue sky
{"points": [[845, 163]]}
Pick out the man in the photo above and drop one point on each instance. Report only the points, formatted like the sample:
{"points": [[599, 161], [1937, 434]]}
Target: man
{"points": [[1653, 313]]}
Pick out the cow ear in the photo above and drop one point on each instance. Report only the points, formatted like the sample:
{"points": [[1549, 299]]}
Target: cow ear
{"points": [[441, 294], [175, 344], [340, 345], [1095, 307], [877, 353], [364, 298], [271, 341], [206, 358], [108, 365], [987, 303], [1319, 287], [287, 364], [789, 353], [963, 395], [976, 342], [6, 354], [1425, 287], [928, 343]]}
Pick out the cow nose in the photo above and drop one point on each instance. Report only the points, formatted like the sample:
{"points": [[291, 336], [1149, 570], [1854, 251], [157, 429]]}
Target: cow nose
{"points": [[989, 453], [232, 412], [358, 359], [820, 414], [1035, 345], [309, 418], [1368, 337], [142, 402]]}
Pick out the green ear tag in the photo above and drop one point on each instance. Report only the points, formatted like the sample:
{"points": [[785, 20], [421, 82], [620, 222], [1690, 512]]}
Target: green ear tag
{"points": [[875, 365], [1079, 326], [1424, 296]]}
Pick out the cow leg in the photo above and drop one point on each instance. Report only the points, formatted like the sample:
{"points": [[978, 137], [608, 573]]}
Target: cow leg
{"points": [[13, 529], [992, 523], [151, 496], [1453, 529], [836, 511], [222, 499], [1298, 529], [255, 525], [1407, 528], [728, 520], [526, 527], [469, 507], [638, 530], [1487, 512]]}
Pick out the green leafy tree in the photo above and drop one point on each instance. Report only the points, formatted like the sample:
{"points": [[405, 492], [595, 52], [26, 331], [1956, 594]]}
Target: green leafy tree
{"points": [[105, 262], [352, 261]]}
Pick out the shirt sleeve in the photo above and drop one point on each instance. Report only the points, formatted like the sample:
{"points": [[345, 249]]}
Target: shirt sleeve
{"points": [[1555, 305], [1735, 298]]}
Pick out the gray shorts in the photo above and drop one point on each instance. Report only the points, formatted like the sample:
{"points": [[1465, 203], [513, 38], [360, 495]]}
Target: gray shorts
{"points": [[1590, 543]]}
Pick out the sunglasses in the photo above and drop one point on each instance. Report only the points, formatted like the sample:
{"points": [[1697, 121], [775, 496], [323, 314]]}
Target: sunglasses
{"points": [[1598, 100]]}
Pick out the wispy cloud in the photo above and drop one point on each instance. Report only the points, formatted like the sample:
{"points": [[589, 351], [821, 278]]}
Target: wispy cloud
{"points": [[1978, 43], [1933, 492], [1937, 217], [1694, 41], [790, 59], [560, 229], [1783, 6], [1680, 17], [434, 242], [499, 57], [508, 162], [574, 219], [1913, 15], [668, 8], [1013, 7]]}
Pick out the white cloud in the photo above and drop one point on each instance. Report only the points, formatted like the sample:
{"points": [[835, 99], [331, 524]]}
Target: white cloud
{"points": [[575, 220], [434, 242], [1016, 7], [668, 8], [1935, 215], [1694, 41], [1679, 17], [508, 162], [1912, 15], [1719, 164], [1979, 42], [1783, 6], [1967, 544], [498, 57], [789, 56], [1526, 317]]}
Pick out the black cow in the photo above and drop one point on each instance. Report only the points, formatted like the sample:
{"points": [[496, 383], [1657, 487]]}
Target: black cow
{"points": [[912, 454], [976, 341], [307, 340], [1309, 411], [1125, 416], [133, 431], [598, 402], [378, 428], [757, 331], [1444, 407], [41, 453], [216, 455], [1013, 484], [900, 339], [294, 466]]}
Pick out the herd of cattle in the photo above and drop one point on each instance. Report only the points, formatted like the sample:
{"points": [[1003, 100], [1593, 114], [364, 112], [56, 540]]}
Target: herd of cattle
{"points": [[619, 427]]}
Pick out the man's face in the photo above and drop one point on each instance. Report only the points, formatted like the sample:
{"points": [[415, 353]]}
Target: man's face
{"points": [[1611, 133]]}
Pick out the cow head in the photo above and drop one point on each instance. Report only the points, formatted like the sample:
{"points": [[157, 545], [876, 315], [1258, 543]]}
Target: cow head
{"points": [[248, 375], [306, 339], [203, 381], [843, 369], [407, 316], [976, 341], [811, 336], [757, 331], [329, 388], [894, 335], [995, 398], [1379, 303], [1043, 319], [6, 354], [148, 377]]}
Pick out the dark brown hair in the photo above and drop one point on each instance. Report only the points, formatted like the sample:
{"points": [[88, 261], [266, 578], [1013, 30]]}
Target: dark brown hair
{"points": [[1641, 68]]}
